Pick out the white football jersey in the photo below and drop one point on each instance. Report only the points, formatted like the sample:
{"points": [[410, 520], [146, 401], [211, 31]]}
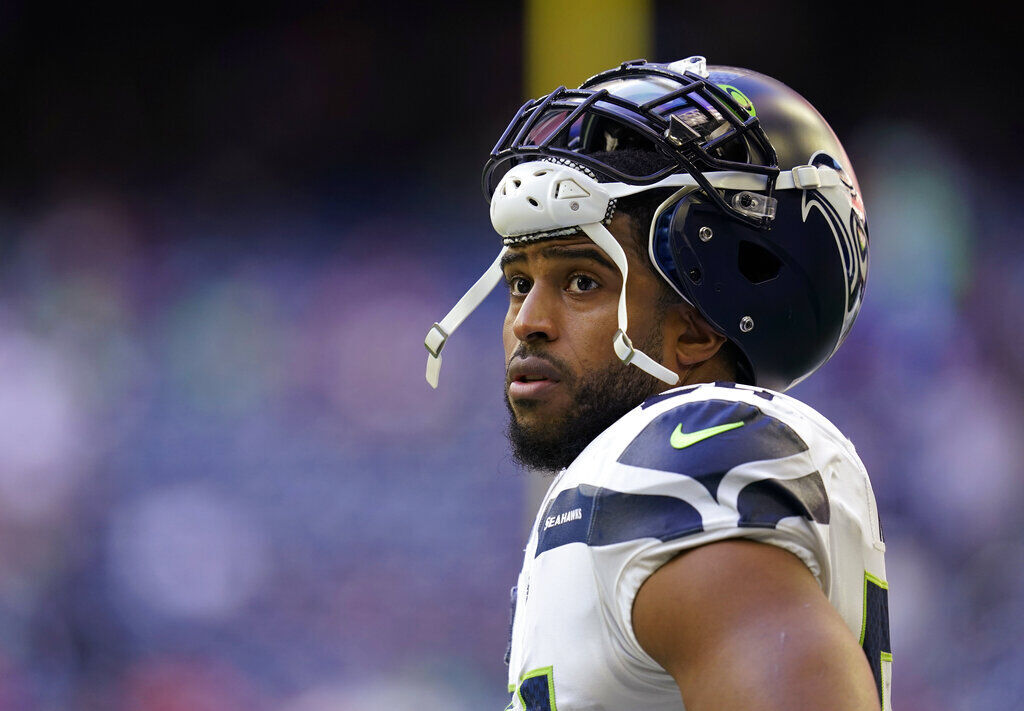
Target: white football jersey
{"points": [[691, 466]]}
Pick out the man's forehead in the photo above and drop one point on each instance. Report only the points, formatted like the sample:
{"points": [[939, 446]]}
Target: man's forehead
{"points": [[551, 245], [574, 245]]}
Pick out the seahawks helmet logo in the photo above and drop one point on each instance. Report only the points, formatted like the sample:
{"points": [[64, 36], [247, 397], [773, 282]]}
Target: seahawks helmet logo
{"points": [[851, 235]]}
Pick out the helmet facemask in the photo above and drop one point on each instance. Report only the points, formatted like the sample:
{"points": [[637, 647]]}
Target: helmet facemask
{"points": [[695, 126]]}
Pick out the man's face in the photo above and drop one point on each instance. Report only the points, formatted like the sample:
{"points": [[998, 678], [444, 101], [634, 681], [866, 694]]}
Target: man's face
{"points": [[564, 384]]}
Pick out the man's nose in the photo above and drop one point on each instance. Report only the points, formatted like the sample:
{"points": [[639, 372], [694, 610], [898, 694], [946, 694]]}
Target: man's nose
{"points": [[536, 319]]}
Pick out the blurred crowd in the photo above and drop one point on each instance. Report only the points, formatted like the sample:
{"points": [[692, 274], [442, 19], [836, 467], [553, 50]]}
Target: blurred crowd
{"points": [[225, 484]]}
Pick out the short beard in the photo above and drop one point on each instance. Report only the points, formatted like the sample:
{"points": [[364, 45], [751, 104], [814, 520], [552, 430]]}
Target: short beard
{"points": [[599, 401]]}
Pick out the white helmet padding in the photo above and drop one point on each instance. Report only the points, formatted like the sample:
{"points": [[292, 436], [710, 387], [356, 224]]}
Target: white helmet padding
{"points": [[542, 200]]}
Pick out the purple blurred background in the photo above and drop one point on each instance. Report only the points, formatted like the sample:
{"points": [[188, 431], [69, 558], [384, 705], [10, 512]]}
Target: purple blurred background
{"points": [[224, 482]]}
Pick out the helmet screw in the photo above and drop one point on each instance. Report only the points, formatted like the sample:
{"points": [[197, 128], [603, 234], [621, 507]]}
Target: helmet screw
{"points": [[746, 324], [574, 206], [705, 234]]}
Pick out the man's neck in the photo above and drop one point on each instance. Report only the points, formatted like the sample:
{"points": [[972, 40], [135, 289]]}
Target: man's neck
{"points": [[708, 371]]}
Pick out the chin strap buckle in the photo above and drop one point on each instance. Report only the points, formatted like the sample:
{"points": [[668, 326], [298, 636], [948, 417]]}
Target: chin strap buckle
{"points": [[436, 338], [630, 356], [623, 347]]}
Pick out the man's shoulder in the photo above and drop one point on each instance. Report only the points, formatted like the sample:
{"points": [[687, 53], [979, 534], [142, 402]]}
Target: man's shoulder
{"points": [[699, 464], [717, 426]]}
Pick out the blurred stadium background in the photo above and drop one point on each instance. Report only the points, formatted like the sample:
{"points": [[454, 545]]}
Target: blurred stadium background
{"points": [[224, 483]]}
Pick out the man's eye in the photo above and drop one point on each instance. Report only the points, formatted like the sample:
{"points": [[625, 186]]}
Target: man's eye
{"points": [[581, 282], [519, 286]]}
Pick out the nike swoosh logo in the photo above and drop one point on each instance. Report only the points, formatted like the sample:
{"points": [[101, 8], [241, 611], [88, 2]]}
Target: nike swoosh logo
{"points": [[682, 440]]}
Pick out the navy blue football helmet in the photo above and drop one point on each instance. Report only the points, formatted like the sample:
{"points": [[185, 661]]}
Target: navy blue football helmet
{"points": [[765, 234]]}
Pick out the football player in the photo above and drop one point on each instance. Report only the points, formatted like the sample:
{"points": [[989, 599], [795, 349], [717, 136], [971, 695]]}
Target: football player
{"points": [[681, 244]]}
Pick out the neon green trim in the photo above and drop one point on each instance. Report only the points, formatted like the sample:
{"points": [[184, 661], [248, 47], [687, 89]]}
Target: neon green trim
{"points": [[549, 672], [511, 688], [682, 440], [877, 581], [887, 657], [868, 578], [740, 98]]}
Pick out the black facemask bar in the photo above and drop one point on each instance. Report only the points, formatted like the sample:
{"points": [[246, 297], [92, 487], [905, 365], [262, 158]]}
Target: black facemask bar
{"points": [[684, 149]]}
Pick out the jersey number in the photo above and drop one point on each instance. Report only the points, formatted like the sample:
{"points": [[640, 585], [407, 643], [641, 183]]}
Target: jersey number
{"points": [[874, 634], [537, 690]]}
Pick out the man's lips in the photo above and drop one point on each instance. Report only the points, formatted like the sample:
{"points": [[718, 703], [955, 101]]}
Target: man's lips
{"points": [[531, 377]]}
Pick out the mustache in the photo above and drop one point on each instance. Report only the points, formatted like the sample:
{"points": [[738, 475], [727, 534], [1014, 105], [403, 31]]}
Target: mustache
{"points": [[525, 350]]}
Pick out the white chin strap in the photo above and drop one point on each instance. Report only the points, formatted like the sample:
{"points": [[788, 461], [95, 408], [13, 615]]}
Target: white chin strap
{"points": [[623, 346], [438, 334]]}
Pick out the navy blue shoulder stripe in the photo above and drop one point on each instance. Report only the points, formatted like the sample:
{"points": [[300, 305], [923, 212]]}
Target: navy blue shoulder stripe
{"points": [[671, 442], [762, 504], [602, 517]]}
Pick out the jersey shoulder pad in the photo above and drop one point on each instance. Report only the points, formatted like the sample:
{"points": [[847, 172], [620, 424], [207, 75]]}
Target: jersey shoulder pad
{"points": [[733, 441], [708, 428]]}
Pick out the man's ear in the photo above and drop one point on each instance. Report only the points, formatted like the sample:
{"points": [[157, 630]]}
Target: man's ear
{"points": [[696, 341]]}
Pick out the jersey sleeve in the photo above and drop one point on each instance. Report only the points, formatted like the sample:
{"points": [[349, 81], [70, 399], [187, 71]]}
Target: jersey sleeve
{"points": [[698, 473]]}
